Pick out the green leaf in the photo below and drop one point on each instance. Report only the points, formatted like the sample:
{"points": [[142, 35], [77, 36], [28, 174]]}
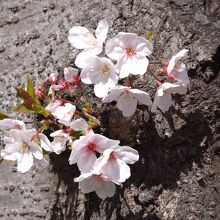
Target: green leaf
{"points": [[31, 90], [3, 115], [31, 106], [22, 108], [150, 35], [77, 134]]}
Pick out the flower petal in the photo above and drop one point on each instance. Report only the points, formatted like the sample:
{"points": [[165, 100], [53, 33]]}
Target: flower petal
{"points": [[101, 31], [127, 154], [79, 125], [105, 189], [80, 37], [25, 162], [44, 142], [141, 96], [127, 105], [36, 150]]}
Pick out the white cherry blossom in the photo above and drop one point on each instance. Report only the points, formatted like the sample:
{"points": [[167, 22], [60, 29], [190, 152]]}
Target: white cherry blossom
{"points": [[60, 139], [20, 147], [163, 96], [89, 182], [84, 150], [102, 73], [64, 113], [113, 163], [81, 38], [8, 123], [177, 69], [130, 51], [127, 99]]}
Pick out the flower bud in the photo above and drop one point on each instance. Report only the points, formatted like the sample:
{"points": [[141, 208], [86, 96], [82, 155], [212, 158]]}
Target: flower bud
{"points": [[53, 78]]}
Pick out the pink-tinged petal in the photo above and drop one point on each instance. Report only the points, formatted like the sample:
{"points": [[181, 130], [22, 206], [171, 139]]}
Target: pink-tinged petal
{"points": [[103, 143], [101, 31], [142, 46], [8, 123], [141, 96], [36, 150], [181, 54], [80, 37], [44, 142], [101, 162], [86, 161], [114, 94], [70, 74], [105, 189], [180, 90], [155, 103], [101, 90], [79, 125], [165, 102], [113, 50], [57, 146], [127, 154], [82, 57], [181, 77], [53, 105], [117, 171], [11, 151], [88, 185], [25, 162], [127, 105], [91, 71]]}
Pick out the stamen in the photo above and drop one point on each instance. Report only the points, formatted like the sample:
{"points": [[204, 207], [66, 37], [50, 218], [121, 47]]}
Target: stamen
{"points": [[104, 70], [129, 51], [91, 147]]}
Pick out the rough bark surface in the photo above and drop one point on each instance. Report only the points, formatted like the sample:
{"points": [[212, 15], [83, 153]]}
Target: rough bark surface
{"points": [[178, 175]]}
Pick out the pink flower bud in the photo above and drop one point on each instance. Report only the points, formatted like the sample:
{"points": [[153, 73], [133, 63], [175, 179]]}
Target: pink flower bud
{"points": [[163, 71], [165, 62], [53, 78]]}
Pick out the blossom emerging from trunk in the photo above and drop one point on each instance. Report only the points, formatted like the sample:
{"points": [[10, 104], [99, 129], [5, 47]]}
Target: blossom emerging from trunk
{"points": [[113, 163], [85, 148], [127, 99], [163, 96], [130, 51], [90, 182], [81, 38], [65, 113], [20, 147], [101, 72], [177, 69]]}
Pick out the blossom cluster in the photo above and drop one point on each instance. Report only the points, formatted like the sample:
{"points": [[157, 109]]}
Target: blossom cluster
{"points": [[130, 52], [66, 121]]}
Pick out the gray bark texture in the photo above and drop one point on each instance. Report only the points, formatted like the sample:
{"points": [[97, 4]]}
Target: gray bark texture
{"points": [[178, 175]]}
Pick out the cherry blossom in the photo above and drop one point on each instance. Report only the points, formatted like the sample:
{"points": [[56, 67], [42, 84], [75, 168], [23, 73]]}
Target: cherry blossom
{"points": [[163, 97], [81, 38], [99, 183], [130, 51], [8, 123], [85, 148], [71, 75], [64, 113], [102, 73], [127, 99], [20, 147], [113, 163], [177, 69], [60, 139]]}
